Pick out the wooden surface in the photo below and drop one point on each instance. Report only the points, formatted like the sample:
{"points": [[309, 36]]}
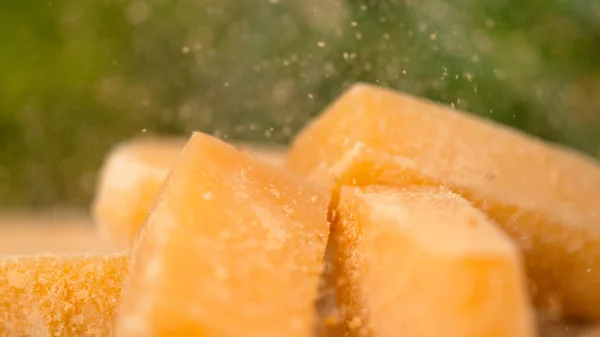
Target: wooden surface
{"points": [[50, 231]]}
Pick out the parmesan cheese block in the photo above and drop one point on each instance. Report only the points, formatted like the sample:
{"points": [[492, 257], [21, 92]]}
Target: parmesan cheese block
{"points": [[234, 247], [544, 196], [60, 295], [422, 262]]}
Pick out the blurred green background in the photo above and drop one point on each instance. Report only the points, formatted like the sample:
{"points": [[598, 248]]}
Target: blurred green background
{"points": [[78, 76]]}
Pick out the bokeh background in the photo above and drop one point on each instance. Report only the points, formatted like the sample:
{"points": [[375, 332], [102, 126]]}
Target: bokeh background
{"points": [[78, 76]]}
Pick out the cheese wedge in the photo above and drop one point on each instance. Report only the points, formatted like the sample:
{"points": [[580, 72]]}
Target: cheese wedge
{"points": [[422, 262], [60, 295], [234, 247], [544, 196]]}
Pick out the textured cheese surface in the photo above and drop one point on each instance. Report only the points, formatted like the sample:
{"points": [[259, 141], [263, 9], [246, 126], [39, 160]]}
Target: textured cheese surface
{"points": [[544, 196], [234, 247], [411, 257], [60, 295]]}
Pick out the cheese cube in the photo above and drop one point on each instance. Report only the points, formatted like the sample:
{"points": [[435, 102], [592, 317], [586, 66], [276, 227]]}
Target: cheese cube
{"points": [[234, 247], [60, 295], [422, 262], [544, 196]]}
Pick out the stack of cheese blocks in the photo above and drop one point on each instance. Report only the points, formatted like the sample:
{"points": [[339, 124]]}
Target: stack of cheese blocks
{"points": [[435, 223]]}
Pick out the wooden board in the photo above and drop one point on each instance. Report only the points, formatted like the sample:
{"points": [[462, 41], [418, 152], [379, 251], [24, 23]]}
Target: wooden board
{"points": [[48, 231]]}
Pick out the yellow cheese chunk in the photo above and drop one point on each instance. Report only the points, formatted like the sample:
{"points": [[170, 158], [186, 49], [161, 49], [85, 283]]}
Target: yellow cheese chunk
{"points": [[234, 247], [60, 295], [422, 262], [129, 181], [544, 196]]}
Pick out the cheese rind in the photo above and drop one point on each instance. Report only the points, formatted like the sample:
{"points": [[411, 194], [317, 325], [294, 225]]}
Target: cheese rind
{"points": [[60, 295], [423, 262], [544, 196], [234, 247]]}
